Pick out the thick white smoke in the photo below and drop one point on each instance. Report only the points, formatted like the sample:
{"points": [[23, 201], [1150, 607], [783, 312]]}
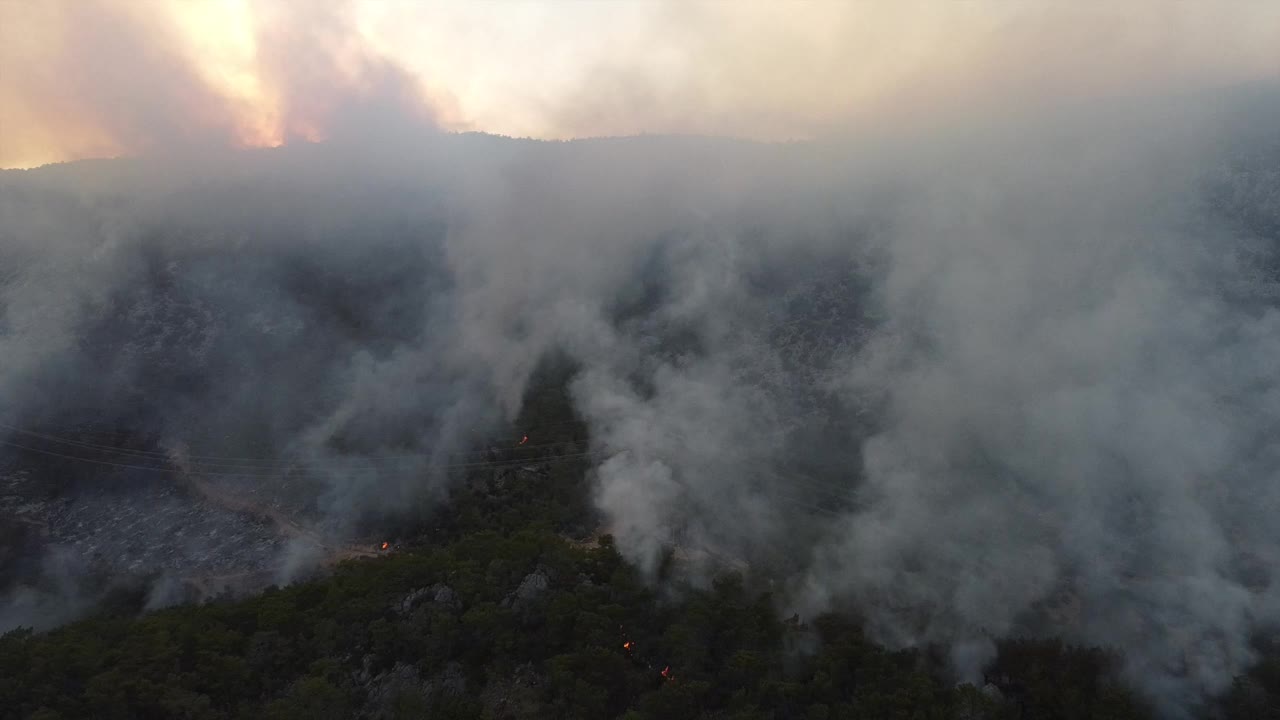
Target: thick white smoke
{"points": [[1008, 380], [1077, 404]]}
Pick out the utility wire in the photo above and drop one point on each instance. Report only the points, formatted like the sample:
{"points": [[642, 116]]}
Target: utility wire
{"points": [[199, 468], [232, 460]]}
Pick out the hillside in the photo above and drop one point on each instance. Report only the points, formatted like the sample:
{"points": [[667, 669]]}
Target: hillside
{"points": [[506, 607], [924, 399]]}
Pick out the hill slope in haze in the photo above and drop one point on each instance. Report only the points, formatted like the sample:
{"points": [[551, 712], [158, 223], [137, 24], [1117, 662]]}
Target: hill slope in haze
{"points": [[506, 607], [1010, 381]]}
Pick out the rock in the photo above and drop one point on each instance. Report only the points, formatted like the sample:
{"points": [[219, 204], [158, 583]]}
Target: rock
{"points": [[412, 600], [450, 681], [365, 676], [444, 595], [439, 594], [533, 586], [391, 691], [516, 697]]}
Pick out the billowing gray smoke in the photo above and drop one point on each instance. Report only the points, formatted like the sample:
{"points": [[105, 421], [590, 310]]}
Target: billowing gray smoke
{"points": [[1016, 379], [268, 314], [1077, 427]]}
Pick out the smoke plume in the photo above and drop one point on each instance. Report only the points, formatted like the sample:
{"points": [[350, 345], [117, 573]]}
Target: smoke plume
{"points": [[1013, 378]]}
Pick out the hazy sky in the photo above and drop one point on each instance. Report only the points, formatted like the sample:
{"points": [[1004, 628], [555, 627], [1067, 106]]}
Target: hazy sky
{"points": [[89, 78]]}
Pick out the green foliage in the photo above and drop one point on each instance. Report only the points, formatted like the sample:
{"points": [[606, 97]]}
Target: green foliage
{"points": [[350, 645], [323, 649]]}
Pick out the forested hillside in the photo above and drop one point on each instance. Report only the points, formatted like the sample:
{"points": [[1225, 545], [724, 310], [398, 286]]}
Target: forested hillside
{"points": [[499, 605]]}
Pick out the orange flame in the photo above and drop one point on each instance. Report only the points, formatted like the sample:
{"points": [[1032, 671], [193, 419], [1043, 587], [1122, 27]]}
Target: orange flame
{"points": [[666, 672], [386, 545], [523, 440], [626, 645]]}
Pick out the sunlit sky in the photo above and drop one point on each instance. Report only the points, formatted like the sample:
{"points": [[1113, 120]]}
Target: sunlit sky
{"points": [[94, 78]]}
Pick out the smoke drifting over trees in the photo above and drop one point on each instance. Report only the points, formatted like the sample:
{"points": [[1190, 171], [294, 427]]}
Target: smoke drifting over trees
{"points": [[1011, 379]]}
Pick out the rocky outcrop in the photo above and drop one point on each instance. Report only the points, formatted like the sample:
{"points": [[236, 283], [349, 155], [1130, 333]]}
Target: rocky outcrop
{"points": [[518, 697], [399, 687], [402, 689], [531, 589], [438, 594], [415, 598], [445, 596]]}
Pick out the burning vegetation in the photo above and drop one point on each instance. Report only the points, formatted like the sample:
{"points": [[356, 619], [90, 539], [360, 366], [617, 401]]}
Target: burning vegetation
{"points": [[629, 648]]}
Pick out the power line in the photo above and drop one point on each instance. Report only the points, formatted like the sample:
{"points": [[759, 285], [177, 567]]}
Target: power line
{"points": [[824, 490], [232, 461], [199, 468]]}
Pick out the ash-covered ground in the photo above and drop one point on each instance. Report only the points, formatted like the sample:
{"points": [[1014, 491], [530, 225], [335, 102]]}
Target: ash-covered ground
{"points": [[79, 527], [156, 526]]}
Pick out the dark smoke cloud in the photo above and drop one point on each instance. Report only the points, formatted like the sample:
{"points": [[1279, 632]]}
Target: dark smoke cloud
{"points": [[1013, 379]]}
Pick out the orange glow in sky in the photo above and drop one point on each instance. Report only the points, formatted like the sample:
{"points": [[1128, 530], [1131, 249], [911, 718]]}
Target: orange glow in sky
{"points": [[90, 78]]}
